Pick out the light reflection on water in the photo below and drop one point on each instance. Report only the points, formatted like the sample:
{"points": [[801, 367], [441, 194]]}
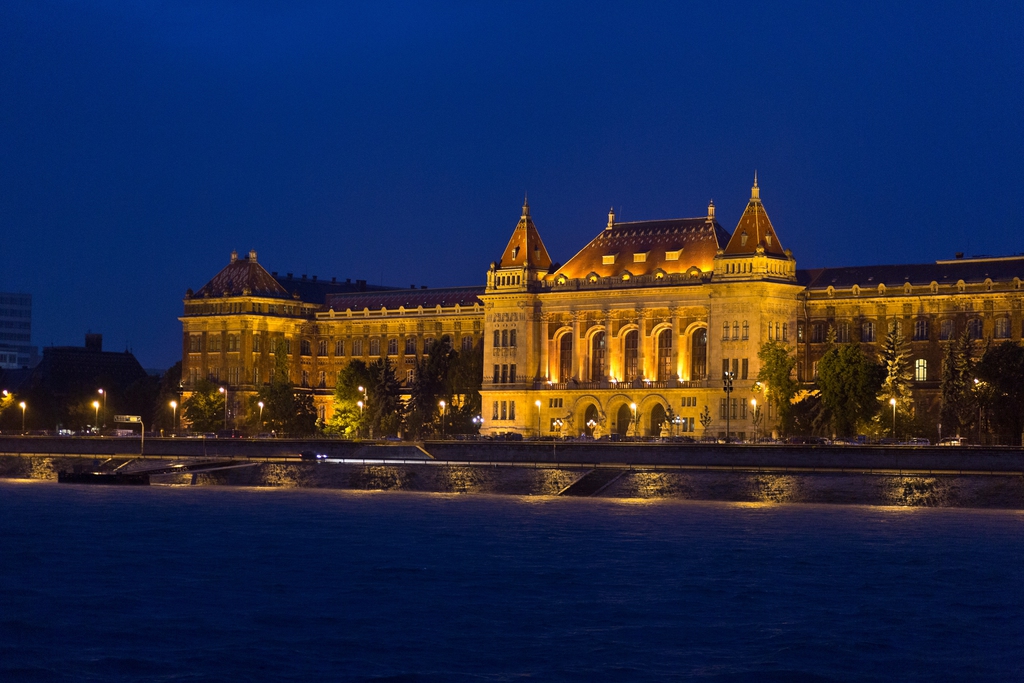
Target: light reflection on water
{"points": [[201, 583]]}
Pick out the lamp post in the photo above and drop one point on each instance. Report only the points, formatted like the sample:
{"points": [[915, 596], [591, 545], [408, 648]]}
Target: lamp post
{"points": [[22, 406], [96, 406], [727, 386], [224, 391], [360, 404], [892, 402], [174, 417], [754, 416], [103, 394], [537, 403], [443, 405], [260, 404], [636, 432]]}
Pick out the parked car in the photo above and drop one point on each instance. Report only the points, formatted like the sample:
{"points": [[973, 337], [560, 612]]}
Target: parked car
{"points": [[917, 441], [312, 455], [953, 441]]}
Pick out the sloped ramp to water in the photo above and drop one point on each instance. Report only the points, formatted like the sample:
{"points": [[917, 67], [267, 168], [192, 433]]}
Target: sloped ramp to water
{"points": [[592, 483], [396, 452]]}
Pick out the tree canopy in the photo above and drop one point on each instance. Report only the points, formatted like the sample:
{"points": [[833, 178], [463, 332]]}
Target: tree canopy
{"points": [[848, 382]]}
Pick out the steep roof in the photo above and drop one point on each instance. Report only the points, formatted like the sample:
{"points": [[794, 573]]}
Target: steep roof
{"points": [[974, 270], [754, 229], [409, 298], [242, 277], [525, 248], [314, 291], [642, 247]]}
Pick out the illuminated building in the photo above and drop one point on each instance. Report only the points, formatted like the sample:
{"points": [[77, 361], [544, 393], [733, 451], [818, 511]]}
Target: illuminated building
{"points": [[650, 314]]}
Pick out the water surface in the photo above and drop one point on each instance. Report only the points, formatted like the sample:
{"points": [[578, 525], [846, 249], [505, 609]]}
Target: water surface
{"points": [[208, 583]]}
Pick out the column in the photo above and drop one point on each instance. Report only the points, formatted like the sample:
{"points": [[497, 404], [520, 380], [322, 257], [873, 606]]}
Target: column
{"points": [[641, 346], [676, 343], [607, 346], [577, 344], [545, 348]]}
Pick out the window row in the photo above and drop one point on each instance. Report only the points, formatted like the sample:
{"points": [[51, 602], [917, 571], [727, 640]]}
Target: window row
{"points": [[631, 369], [734, 327], [504, 339], [505, 374], [504, 410], [216, 343], [738, 367], [1001, 329]]}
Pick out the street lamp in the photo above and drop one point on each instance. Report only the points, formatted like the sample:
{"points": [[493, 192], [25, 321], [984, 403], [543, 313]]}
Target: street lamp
{"points": [[754, 416], [442, 404], [537, 403], [636, 432], [96, 405], [174, 416], [103, 393], [224, 391], [22, 406], [260, 404], [892, 402]]}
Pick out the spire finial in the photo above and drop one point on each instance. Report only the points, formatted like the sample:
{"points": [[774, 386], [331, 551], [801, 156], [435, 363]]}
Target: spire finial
{"points": [[755, 191], [611, 218], [526, 205], [711, 210]]}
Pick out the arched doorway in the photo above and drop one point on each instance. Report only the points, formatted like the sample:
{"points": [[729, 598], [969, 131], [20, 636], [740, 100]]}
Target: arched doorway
{"points": [[597, 354], [658, 417], [699, 354], [665, 356], [631, 356], [565, 357], [622, 419], [590, 415]]}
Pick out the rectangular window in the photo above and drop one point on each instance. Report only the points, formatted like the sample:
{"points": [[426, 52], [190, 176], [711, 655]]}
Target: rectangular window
{"points": [[608, 259], [867, 331], [746, 368], [339, 347], [497, 374], [288, 346], [504, 410], [921, 329], [1002, 330], [800, 330], [392, 347], [357, 347], [722, 407], [256, 342], [785, 331], [672, 254], [375, 347], [746, 330], [321, 347], [920, 370], [512, 373], [511, 410], [495, 415], [725, 368], [732, 411], [428, 344], [735, 368], [843, 332], [195, 343], [640, 257], [467, 344], [946, 330], [322, 383], [305, 378], [410, 377], [743, 410], [814, 369], [817, 333], [307, 348], [410, 346], [504, 374]]}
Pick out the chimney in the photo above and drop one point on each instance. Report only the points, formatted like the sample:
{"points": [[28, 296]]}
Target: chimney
{"points": [[361, 285], [94, 342]]}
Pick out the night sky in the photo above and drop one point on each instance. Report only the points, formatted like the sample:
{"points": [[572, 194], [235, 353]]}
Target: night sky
{"points": [[140, 142]]}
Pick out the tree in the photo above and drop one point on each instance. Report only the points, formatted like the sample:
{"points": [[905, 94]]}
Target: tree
{"points": [[776, 378], [899, 373], [170, 390], [384, 405], [430, 386], [347, 418], [285, 410], [959, 406], [849, 382], [465, 378], [1001, 376], [204, 409], [705, 420]]}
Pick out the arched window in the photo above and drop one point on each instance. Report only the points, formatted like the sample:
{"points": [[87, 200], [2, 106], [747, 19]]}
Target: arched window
{"points": [[817, 333], [867, 331], [410, 346], [565, 357], [306, 348], [746, 330], [339, 347], [392, 347], [946, 330], [375, 347], [771, 332], [321, 349], [631, 360], [735, 329], [665, 356], [1002, 328], [974, 328], [921, 329], [597, 357], [699, 355], [725, 330], [842, 332]]}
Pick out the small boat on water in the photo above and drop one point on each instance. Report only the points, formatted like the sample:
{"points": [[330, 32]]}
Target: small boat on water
{"points": [[114, 478]]}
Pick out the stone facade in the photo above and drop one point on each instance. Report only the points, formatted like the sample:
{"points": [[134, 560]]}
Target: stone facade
{"points": [[632, 335]]}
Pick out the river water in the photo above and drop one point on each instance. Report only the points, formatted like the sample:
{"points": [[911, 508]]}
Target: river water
{"points": [[209, 583]]}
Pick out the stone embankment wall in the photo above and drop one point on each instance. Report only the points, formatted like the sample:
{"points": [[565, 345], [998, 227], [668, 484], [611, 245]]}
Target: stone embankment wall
{"points": [[539, 479]]}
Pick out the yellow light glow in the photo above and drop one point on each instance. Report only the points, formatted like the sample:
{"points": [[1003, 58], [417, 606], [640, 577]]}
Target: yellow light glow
{"points": [[96, 405]]}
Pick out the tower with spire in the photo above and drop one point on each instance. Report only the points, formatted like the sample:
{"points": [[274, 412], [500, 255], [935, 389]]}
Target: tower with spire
{"points": [[754, 251], [524, 262]]}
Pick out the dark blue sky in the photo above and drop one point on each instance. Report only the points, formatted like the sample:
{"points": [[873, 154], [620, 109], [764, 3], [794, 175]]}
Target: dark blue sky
{"points": [[140, 142]]}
